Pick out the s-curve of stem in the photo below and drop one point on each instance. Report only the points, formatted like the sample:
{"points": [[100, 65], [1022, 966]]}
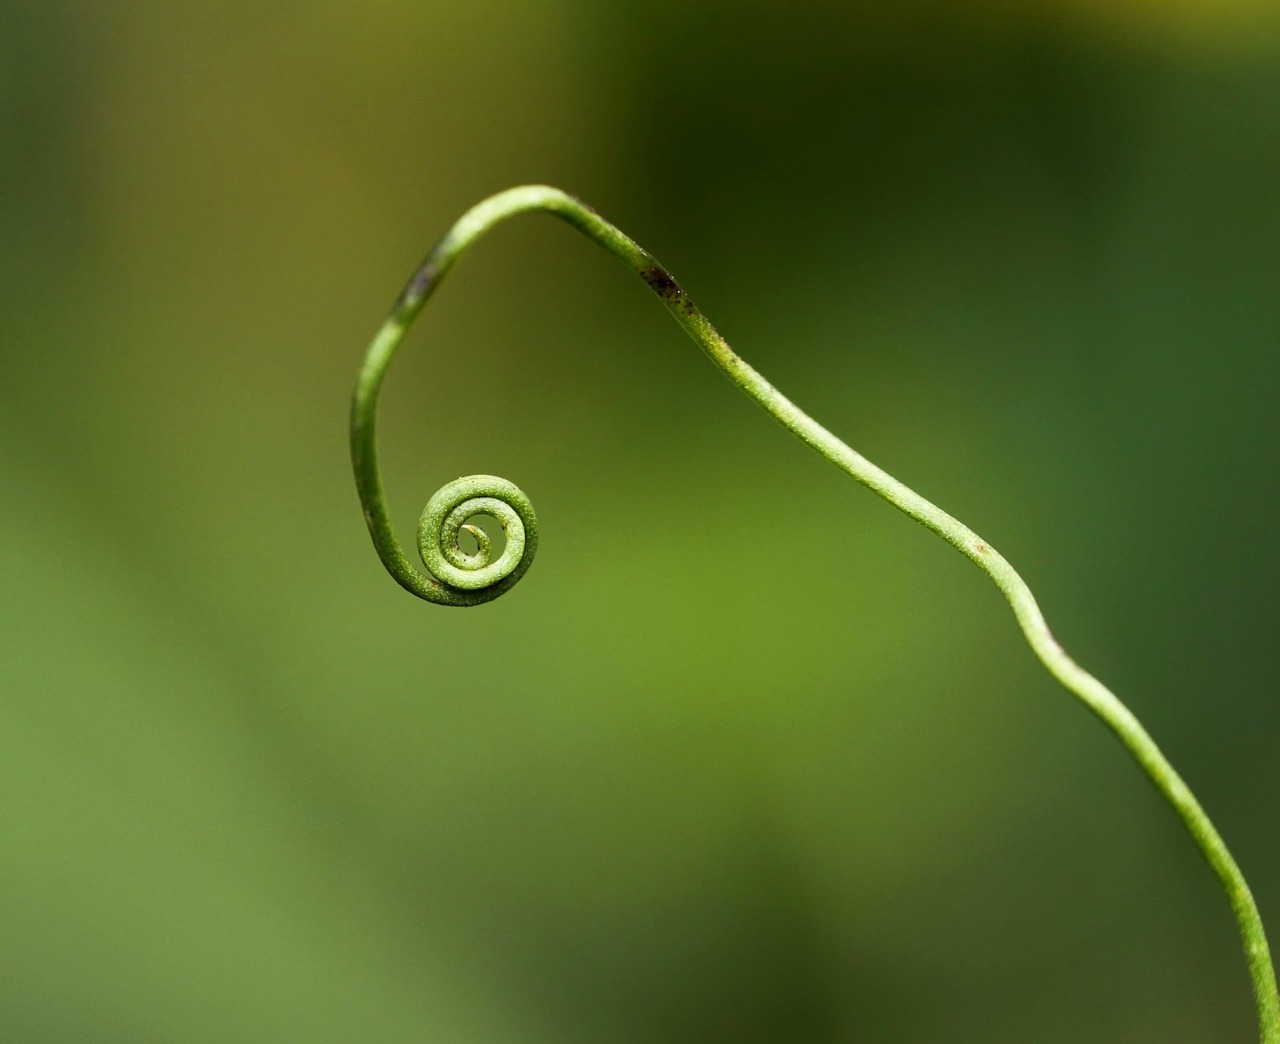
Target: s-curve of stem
{"points": [[463, 578]]}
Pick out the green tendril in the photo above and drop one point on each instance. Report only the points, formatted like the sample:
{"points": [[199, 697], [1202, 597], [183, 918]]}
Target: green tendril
{"points": [[469, 578]]}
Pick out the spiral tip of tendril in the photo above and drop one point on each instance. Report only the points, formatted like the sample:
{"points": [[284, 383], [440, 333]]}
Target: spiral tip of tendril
{"points": [[448, 513]]}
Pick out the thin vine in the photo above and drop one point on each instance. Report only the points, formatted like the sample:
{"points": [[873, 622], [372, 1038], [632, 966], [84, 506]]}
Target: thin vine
{"points": [[457, 577]]}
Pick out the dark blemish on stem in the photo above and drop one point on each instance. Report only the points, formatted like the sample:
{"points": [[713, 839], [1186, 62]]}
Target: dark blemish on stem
{"points": [[688, 307], [419, 285], [662, 282]]}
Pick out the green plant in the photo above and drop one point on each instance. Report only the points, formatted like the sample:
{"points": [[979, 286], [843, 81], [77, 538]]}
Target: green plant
{"points": [[461, 578]]}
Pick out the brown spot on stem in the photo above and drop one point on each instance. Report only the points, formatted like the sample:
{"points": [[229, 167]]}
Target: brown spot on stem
{"points": [[418, 286], [662, 282]]}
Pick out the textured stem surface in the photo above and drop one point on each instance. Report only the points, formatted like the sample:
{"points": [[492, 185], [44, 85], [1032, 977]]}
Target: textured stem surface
{"points": [[461, 578]]}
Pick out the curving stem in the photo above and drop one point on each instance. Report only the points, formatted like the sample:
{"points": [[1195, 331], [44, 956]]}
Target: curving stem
{"points": [[456, 577]]}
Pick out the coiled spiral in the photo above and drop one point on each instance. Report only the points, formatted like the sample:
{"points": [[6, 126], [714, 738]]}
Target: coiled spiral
{"points": [[448, 513]]}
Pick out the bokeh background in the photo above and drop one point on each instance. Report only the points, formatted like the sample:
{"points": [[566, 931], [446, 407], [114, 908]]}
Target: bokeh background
{"points": [[747, 756]]}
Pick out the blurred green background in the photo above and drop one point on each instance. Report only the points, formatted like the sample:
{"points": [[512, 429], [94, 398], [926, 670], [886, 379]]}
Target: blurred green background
{"points": [[1026, 257]]}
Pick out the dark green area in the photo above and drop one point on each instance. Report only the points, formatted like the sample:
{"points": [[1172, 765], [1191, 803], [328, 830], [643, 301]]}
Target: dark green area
{"points": [[252, 791]]}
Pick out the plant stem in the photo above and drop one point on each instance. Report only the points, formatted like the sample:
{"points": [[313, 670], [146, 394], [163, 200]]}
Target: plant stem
{"points": [[465, 498]]}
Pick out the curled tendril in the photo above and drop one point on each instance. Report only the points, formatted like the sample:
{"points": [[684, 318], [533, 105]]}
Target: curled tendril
{"points": [[446, 516], [456, 577]]}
